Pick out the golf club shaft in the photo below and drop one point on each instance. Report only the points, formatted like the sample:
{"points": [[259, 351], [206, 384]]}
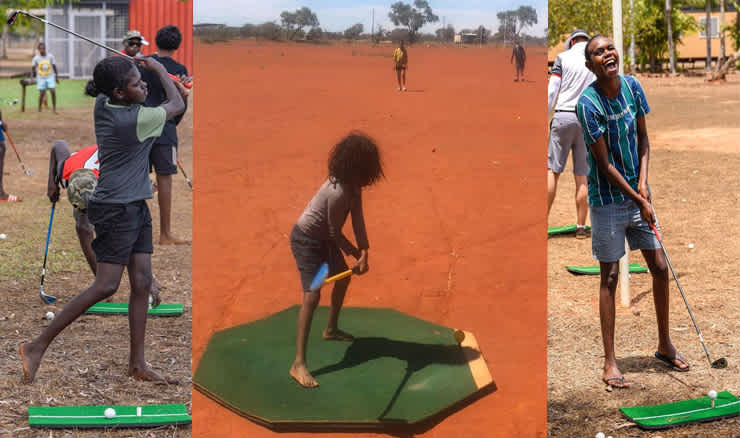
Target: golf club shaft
{"points": [[190, 183], [188, 84], [680, 289], [16, 151], [48, 238]]}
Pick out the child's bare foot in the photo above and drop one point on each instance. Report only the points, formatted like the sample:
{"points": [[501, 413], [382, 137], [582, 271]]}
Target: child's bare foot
{"points": [[337, 335], [301, 375], [172, 240], [147, 374], [30, 361]]}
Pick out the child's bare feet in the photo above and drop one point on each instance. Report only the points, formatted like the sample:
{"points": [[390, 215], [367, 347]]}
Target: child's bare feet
{"points": [[301, 375], [337, 335], [30, 360], [147, 374]]}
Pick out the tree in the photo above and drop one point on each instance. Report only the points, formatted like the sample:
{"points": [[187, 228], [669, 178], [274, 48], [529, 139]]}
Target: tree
{"points": [[399, 34], [651, 30], [565, 15], [446, 33], [379, 34], [315, 34], [354, 31], [268, 31], [294, 22], [22, 20], [513, 21], [413, 17]]}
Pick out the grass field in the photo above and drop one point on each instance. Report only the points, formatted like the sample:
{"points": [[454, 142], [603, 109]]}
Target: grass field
{"points": [[70, 94]]}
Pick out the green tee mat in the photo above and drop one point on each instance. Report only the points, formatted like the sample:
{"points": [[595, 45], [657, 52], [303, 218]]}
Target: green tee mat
{"points": [[684, 412], [565, 229], [399, 371], [635, 268], [93, 416], [104, 308]]}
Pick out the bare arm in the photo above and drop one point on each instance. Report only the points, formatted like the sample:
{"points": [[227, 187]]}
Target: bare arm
{"points": [[643, 153], [59, 152]]}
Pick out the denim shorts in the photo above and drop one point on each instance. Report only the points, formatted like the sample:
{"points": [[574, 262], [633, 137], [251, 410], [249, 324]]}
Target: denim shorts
{"points": [[310, 253], [612, 223]]}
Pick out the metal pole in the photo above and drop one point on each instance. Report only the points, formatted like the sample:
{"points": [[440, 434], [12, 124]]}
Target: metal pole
{"points": [[671, 49], [617, 27]]}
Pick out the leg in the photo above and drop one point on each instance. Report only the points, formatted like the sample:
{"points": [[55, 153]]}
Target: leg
{"points": [[552, 187], [3, 195], [42, 93], [164, 198], [53, 100], [85, 233], [607, 312], [403, 79], [398, 78], [140, 278], [581, 199], [299, 370], [105, 284], [332, 331]]}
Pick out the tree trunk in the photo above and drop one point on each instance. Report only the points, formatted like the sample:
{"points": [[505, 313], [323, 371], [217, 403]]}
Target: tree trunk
{"points": [[671, 50], [721, 72], [721, 33], [708, 33]]}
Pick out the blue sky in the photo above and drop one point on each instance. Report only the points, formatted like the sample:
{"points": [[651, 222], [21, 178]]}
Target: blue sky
{"points": [[337, 15]]}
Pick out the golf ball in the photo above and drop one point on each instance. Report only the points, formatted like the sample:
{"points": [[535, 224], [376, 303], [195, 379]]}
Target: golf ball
{"points": [[600, 435], [3, 236], [151, 299], [109, 413], [49, 315], [691, 246], [459, 336], [712, 394]]}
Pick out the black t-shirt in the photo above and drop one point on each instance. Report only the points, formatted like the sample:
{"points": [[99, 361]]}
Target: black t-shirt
{"points": [[157, 96]]}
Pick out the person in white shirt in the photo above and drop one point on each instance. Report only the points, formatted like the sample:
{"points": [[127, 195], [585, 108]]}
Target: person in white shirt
{"points": [[569, 78], [44, 70]]}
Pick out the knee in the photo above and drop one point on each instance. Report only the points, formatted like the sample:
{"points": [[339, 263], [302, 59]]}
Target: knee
{"points": [[342, 284], [610, 280], [660, 270], [107, 287], [311, 299], [84, 230], [143, 282]]}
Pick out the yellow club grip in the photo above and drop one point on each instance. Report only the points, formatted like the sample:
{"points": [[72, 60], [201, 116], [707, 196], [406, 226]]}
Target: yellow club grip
{"points": [[339, 276]]}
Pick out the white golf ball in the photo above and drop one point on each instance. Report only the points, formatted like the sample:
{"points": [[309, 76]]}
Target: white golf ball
{"points": [[109, 413], [691, 246], [49, 315], [712, 394], [600, 435], [3, 236], [151, 299]]}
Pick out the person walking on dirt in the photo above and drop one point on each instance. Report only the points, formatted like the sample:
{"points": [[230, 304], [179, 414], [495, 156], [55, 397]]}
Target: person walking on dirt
{"points": [[520, 56], [569, 78], [612, 113], [125, 130], [44, 70], [4, 196], [400, 65]]}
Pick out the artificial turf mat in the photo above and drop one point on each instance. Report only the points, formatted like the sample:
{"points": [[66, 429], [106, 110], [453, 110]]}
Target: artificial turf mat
{"points": [[635, 268], [93, 417], [104, 308], [684, 412], [398, 370], [565, 229]]}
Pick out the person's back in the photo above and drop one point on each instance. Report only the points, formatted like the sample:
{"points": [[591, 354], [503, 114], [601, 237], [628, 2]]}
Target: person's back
{"points": [[575, 77]]}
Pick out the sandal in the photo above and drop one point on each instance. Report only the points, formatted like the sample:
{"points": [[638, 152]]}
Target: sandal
{"points": [[671, 361]]}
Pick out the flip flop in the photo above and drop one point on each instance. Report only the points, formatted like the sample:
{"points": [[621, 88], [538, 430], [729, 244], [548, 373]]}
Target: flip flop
{"points": [[11, 198], [621, 383], [670, 361]]}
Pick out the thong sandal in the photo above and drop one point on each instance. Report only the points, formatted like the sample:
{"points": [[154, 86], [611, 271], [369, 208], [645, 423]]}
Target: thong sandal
{"points": [[11, 198], [616, 382], [670, 361]]}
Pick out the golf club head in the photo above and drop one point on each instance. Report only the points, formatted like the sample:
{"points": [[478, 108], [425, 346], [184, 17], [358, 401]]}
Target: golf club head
{"points": [[11, 19], [318, 280], [720, 363], [29, 172], [48, 299]]}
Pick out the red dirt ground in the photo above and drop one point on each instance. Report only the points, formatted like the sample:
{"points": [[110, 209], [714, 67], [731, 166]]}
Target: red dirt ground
{"points": [[456, 230]]}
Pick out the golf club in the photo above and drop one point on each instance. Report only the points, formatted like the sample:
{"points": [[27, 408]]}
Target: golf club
{"points": [[29, 171], [187, 180], [187, 83], [48, 299], [320, 279], [719, 363]]}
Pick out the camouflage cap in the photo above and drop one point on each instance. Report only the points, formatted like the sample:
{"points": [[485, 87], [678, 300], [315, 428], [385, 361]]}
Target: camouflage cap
{"points": [[131, 34], [80, 187]]}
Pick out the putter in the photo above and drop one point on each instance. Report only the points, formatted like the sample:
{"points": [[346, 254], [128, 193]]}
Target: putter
{"points": [[48, 299], [187, 180], [28, 171], [719, 363], [187, 82]]}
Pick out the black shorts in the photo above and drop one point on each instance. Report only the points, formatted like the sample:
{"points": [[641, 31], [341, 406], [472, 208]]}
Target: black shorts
{"points": [[163, 159], [310, 253], [120, 230]]}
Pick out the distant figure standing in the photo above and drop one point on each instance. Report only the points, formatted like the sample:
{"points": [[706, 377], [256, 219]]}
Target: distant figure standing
{"points": [[4, 197], [521, 57], [44, 70], [400, 64]]}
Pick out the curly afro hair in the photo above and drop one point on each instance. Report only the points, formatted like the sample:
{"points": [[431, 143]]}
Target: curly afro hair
{"points": [[356, 161]]}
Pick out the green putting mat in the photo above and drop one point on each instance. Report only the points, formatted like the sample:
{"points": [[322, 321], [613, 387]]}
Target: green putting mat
{"points": [[635, 268], [93, 416], [565, 229], [684, 412], [398, 370], [104, 308]]}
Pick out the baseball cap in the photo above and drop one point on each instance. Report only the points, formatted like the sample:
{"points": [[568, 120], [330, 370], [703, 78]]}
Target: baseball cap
{"points": [[576, 33], [131, 34]]}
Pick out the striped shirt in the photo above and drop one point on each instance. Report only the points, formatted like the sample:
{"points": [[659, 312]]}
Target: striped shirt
{"points": [[617, 118]]}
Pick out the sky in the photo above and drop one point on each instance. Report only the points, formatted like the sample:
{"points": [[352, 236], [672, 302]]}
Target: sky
{"points": [[338, 15]]}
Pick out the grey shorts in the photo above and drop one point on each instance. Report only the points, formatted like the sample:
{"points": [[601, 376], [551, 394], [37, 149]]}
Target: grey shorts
{"points": [[611, 224], [566, 135]]}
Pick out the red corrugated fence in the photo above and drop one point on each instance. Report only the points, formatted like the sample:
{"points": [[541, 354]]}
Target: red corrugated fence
{"points": [[147, 16]]}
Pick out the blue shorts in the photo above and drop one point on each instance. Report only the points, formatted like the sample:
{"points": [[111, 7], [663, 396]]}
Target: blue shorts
{"points": [[45, 83], [611, 224], [310, 253]]}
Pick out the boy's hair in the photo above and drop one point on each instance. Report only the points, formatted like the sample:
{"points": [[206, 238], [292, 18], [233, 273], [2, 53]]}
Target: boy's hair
{"points": [[355, 160], [109, 74], [168, 38], [588, 44]]}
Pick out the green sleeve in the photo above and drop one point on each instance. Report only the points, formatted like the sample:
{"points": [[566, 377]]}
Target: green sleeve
{"points": [[150, 122]]}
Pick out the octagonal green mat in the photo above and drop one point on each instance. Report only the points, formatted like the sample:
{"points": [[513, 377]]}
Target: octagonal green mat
{"points": [[398, 370]]}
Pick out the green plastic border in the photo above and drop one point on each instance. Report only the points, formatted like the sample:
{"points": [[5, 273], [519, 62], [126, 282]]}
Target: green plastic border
{"points": [[684, 412], [93, 416], [104, 308]]}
